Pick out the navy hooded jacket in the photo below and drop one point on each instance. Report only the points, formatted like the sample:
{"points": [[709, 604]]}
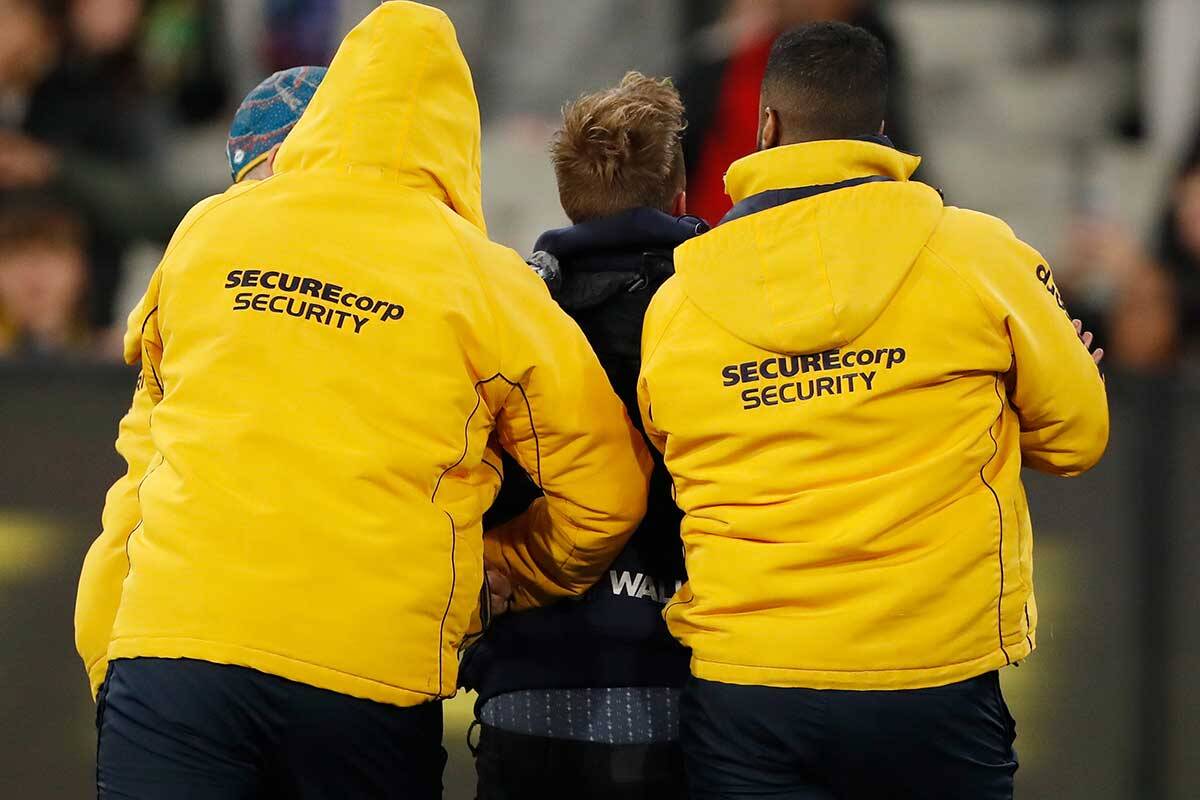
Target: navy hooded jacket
{"points": [[603, 273]]}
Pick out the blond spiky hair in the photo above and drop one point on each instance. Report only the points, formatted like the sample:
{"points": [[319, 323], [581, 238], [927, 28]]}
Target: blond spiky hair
{"points": [[620, 148]]}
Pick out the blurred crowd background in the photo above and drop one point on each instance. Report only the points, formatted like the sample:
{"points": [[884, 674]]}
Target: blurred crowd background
{"points": [[1077, 121]]}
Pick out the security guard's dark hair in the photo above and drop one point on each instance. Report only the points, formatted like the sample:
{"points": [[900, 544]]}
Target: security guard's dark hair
{"points": [[827, 80]]}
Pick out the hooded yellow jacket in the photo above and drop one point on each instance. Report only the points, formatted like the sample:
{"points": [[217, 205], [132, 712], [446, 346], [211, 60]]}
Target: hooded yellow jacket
{"points": [[326, 356], [845, 387]]}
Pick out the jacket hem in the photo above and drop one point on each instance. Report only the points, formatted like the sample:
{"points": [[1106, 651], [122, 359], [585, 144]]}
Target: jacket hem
{"points": [[861, 680], [271, 663]]}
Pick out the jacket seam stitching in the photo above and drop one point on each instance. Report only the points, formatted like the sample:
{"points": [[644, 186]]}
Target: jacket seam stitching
{"points": [[475, 270], [182, 231], [129, 537], [453, 527], [403, 140], [537, 449], [141, 518], [828, 282], [494, 468], [537, 443], [150, 363], [675, 603], [966, 282], [450, 598], [1000, 517], [653, 350]]}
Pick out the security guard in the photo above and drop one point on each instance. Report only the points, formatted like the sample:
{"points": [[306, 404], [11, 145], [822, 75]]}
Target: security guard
{"points": [[277, 600], [846, 378]]}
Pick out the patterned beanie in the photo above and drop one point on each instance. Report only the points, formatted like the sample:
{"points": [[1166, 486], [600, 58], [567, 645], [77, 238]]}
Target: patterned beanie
{"points": [[267, 114]]}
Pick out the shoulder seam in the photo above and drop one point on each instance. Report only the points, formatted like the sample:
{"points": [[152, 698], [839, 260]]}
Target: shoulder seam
{"points": [[177, 238], [969, 286], [653, 349], [475, 271], [219, 201]]}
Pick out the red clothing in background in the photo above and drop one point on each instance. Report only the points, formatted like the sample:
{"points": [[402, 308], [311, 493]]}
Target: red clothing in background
{"points": [[732, 133]]}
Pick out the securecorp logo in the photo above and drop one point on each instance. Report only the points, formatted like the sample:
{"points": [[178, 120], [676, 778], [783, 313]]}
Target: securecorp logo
{"points": [[783, 378], [309, 299]]}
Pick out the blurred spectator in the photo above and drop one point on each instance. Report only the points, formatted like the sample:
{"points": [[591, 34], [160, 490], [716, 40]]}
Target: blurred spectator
{"points": [[1121, 292], [300, 32], [79, 124], [720, 86], [182, 57], [1180, 249], [43, 281], [92, 100], [1148, 302], [29, 45]]}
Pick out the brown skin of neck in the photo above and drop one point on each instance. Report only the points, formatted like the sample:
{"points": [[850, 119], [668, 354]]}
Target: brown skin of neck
{"points": [[774, 132]]}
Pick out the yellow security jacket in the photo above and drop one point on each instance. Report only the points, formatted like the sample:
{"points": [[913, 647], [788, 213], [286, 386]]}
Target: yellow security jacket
{"points": [[326, 356], [845, 388]]}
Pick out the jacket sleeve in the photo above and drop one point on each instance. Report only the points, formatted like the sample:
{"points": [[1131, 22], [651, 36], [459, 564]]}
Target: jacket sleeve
{"points": [[143, 338], [558, 417], [1054, 385], [662, 308], [106, 564]]}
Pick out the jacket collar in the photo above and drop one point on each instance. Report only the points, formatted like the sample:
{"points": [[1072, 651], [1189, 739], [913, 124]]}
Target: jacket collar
{"points": [[777, 197], [637, 230], [823, 163]]}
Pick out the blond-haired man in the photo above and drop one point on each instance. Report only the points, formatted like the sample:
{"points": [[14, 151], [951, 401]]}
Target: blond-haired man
{"points": [[580, 699]]}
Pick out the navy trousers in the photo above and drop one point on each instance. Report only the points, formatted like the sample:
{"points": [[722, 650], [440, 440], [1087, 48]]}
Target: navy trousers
{"points": [[946, 743], [180, 729]]}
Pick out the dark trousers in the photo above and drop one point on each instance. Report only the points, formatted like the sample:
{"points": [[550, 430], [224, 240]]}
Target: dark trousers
{"points": [[512, 766], [180, 729], [947, 743]]}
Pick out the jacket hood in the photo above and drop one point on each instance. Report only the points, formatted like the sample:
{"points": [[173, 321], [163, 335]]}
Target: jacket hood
{"points": [[805, 275], [397, 104]]}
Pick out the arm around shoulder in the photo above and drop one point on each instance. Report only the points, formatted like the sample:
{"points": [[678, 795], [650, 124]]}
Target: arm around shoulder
{"points": [[557, 415]]}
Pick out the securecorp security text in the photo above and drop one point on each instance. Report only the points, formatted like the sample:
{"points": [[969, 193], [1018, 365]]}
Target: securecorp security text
{"points": [[777, 371], [339, 307]]}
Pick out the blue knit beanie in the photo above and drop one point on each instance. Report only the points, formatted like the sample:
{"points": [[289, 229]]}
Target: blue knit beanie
{"points": [[267, 114]]}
